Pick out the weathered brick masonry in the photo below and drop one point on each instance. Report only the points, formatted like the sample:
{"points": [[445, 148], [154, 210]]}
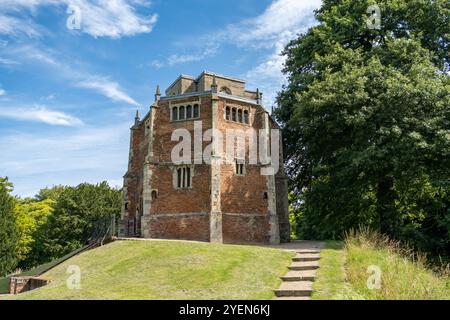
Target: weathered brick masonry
{"points": [[217, 202]]}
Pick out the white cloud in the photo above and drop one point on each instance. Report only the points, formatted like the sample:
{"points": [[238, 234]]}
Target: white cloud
{"points": [[8, 62], [15, 20], [99, 18], [209, 51], [108, 88], [40, 114], [268, 77], [16, 26], [112, 18], [269, 32], [2, 92], [281, 22], [75, 76], [157, 64], [14, 5], [69, 156]]}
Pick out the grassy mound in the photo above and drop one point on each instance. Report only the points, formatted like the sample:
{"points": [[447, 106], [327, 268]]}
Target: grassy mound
{"points": [[347, 268], [169, 270]]}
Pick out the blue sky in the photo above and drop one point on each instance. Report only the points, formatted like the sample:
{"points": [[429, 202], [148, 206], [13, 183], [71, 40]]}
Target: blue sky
{"points": [[73, 73]]}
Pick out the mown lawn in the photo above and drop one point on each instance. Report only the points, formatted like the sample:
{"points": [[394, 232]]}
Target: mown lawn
{"points": [[169, 270], [343, 273]]}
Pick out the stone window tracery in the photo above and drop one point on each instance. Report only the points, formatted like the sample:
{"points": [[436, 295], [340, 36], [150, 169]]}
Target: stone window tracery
{"points": [[185, 112], [237, 115], [183, 177]]}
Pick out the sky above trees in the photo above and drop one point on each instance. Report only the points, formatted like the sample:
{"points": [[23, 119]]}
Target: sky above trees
{"points": [[73, 73]]}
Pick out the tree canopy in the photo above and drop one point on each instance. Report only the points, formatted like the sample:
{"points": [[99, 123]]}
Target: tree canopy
{"points": [[9, 235], [366, 121], [75, 212]]}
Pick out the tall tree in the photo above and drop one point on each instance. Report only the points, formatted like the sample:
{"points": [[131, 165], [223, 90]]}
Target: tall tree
{"points": [[366, 119], [51, 193], [9, 236], [31, 216], [76, 211]]}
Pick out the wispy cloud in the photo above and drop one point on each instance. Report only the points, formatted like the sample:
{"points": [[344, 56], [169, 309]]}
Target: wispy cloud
{"points": [[268, 77], [202, 53], [2, 92], [17, 26], [108, 88], [40, 114], [8, 62], [157, 64], [209, 51], [269, 32], [98, 18], [281, 21], [113, 18], [69, 156], [16, 17], [76, 76]]}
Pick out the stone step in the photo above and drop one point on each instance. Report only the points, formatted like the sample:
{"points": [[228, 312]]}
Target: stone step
{"points": [[304, 265], [305, 275], [306, 257], [294, 289], [308, 251]]}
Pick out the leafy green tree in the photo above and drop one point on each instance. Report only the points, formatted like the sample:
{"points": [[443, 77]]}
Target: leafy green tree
{"points": [[50, 193], [295, 215], [9, 236], [31, 216], [75, 212], [366, 121]]}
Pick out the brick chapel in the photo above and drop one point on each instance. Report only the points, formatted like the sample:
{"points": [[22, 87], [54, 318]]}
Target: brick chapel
{"points": [[213, 202]]}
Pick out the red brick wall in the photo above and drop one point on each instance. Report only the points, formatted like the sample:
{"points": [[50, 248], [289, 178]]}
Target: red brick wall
{"points": [[245, 228], [163, 128], [175, 201], [22, 284], [171, 200], [186, 227], [184, 214], [243, 194], [139, 146]]}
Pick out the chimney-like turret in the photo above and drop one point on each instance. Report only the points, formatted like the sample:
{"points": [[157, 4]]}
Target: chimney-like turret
{"points": [[137, 118], [158, 93], [214, 85]]}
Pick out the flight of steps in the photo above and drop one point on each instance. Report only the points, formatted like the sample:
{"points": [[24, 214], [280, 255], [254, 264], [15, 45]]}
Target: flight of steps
{"points": [[297, 283]]}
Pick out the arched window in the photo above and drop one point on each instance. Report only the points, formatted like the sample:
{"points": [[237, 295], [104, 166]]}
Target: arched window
{"points": [[188, 112], [233, 114], [184, 177], [246, 120], [225, 90], [228, 113], [240, 169], [174, 113], [179, 177], [240, 115], [154, 194], [181, 113], [196, 111]]}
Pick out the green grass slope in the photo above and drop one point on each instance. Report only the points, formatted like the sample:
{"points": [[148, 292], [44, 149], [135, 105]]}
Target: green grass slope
{"points": [[343, 272], [169, 270]]}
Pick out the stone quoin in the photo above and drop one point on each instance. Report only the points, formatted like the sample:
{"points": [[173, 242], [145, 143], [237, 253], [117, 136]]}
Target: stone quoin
{"points": [[217, 201]]}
